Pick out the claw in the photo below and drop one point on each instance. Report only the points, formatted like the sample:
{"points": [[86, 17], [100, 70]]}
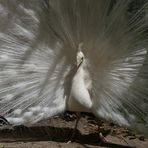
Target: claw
{"points": [[102, 138]]}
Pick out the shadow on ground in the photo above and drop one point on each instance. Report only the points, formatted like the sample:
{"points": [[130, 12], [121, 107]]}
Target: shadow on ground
{"points": [[49, 133]]}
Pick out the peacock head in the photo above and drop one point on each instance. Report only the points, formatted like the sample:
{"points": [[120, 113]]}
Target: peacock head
{"points": [[80, 56]]}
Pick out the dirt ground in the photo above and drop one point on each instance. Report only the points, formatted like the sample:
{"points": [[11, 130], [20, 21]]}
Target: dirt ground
{"points": [[56, 132]]}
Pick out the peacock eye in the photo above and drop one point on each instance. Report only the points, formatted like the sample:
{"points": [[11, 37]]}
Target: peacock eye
{"points": [[82, 58]]}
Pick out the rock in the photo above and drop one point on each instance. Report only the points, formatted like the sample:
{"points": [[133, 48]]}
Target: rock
{"points": [[141, 138]]}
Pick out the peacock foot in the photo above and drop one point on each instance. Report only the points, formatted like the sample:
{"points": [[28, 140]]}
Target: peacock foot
{"points": [[102, 138]]}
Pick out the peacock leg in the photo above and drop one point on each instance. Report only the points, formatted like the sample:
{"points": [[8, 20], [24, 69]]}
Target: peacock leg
{"points": [[75, 128]]}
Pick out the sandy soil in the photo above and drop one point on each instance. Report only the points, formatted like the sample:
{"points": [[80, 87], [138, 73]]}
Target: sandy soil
{"points": [[56, 132]]}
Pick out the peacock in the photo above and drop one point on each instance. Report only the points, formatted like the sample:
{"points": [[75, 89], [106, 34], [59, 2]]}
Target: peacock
{"points": [[75, 55]]}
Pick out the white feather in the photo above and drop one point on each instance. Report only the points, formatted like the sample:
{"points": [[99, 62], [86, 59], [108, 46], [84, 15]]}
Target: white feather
{"points": [[15, 120], [17, 112]]}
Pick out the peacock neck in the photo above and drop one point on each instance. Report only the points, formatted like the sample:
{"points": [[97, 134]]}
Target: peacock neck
{"points": [[80, 72]]}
